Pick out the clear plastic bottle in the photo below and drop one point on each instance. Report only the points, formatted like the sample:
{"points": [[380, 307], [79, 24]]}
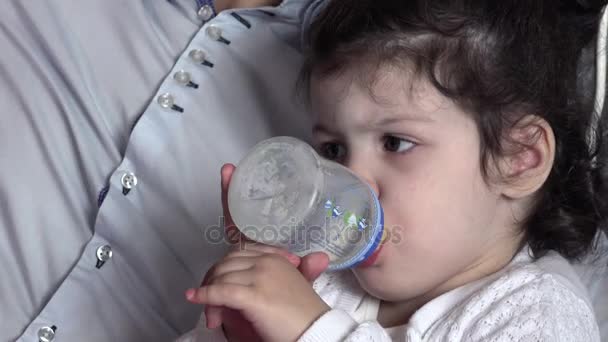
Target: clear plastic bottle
{"points": [[283, 194]]}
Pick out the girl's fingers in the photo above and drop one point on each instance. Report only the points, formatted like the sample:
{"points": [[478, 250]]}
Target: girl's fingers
{"points": [[242, 253], [312, 265], [233, 261], [233, 296], [231, 265], [262, 248], [213, 316], [226, 173], [230, 229], [221, 295], [242, 277]]}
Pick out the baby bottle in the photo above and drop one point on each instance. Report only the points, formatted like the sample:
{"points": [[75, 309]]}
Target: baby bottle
{"points": [[284, 194]]}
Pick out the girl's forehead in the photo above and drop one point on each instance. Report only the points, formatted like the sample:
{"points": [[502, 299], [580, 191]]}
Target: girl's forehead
{"points": [[388, 88]]}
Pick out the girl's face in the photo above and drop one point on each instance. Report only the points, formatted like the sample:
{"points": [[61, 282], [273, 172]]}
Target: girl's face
{"points": [[446, 225]]}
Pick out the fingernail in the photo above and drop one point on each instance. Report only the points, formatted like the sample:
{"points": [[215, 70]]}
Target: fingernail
{"points": [[293, 258], [190, 293]]}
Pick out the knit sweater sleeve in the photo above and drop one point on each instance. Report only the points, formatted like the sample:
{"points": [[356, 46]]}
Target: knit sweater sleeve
{"points": [[336, 325], [341, 292]]}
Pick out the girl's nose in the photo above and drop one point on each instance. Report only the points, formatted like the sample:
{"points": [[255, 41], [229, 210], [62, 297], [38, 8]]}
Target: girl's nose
{"points": [[373, 185], [363, 169]]}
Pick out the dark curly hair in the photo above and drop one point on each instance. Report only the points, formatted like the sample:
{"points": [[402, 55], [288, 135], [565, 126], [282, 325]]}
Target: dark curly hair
{"points": [[500, 60]]}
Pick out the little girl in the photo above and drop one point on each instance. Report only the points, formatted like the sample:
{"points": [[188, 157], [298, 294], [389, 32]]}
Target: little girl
{"points": [[464, 118]]}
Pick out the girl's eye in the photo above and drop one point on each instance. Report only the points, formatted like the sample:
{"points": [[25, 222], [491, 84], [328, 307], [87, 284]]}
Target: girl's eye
{"points": [[394, 144], [332, 151]]}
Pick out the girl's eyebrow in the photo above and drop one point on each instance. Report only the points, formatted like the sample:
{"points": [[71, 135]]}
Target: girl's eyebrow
{"points": [[389, 120], [381, 122], [319, 128]]}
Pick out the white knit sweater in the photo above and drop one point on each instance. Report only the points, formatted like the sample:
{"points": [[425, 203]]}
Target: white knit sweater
{"points": [[525, 301]]}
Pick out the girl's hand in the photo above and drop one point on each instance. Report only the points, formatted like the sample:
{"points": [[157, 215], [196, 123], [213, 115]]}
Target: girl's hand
{"points": [[268, 291], [236, 327]]}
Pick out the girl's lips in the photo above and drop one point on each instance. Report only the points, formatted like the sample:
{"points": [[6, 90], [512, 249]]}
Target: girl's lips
{"points": [[372, 258]]}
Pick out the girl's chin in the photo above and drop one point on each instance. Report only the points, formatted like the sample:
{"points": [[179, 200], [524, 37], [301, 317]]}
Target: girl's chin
{"points": [[376, 291]]}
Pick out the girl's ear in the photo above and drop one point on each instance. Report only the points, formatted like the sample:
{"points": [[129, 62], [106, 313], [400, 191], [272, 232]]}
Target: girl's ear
{"points": [[528, 158]]}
